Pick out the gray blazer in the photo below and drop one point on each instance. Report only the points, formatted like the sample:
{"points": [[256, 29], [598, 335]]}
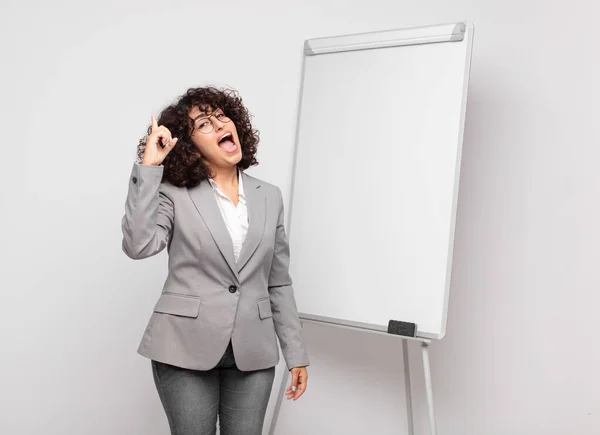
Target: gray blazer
{"points": [[207, 299]]}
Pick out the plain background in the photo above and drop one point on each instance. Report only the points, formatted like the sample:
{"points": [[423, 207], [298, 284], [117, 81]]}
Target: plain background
{"points": [[79, 83]]}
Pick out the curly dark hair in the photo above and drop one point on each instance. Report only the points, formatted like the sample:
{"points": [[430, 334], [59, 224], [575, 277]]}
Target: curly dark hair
{"points": [[183, 165]]}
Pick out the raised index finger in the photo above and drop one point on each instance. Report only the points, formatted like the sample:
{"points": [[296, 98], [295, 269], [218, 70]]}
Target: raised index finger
{"points": [[154, 123]]}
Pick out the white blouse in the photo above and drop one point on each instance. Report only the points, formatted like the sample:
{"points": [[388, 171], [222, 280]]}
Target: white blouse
{"points": [[236, 218]]}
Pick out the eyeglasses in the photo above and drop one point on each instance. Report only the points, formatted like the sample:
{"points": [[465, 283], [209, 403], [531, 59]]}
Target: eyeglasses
{"points": [[205, 125]]}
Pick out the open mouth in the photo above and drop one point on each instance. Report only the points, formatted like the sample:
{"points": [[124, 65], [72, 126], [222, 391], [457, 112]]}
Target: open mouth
{"points": [[227, 143]]}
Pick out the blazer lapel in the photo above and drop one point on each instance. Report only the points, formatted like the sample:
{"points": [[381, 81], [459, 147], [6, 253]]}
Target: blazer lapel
{"points": [[256, 203], [204, 199]]}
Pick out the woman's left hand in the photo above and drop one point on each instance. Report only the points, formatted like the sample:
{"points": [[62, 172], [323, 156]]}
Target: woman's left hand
{"points": [[299, 378]]}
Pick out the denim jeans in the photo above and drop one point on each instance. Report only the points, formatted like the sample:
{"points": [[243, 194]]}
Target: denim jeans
{"points": [[193, 399]]}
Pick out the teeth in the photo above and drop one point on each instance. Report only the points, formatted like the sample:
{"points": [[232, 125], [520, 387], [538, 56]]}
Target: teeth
{"points": [[225, 136]]}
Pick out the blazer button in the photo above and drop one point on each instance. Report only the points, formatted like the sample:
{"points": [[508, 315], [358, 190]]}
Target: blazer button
{"points": [[232, 289], [134, 179]]}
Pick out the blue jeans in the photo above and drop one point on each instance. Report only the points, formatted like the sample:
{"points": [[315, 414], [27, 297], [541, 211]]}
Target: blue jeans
{"points": [[193, 399]]}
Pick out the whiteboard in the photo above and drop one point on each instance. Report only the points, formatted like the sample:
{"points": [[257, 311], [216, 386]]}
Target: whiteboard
{"points": [[376, 175]]}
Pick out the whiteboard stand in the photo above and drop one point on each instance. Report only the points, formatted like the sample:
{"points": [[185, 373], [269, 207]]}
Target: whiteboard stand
{"points": [[425, 343], [419, 78]]}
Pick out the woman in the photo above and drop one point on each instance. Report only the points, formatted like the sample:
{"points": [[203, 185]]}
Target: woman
{"points": [[212, 336]]}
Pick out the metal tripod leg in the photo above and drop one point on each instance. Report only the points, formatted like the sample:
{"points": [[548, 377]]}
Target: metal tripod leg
{"points": [[409, 408], [282, 388], [428, 387]]}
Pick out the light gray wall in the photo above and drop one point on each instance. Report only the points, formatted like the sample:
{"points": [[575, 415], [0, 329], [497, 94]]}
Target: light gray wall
{"points": [[79, 83]]}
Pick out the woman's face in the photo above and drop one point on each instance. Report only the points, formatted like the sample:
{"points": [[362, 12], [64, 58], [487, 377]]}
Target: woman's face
{"points": [[216, 138]]}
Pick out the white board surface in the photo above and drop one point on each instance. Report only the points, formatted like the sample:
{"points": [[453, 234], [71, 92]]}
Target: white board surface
{"points": [[375, 183]]}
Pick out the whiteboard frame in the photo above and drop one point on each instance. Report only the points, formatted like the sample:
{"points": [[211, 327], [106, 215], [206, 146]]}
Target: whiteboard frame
{"points": [[442, 33], [386, 38]]}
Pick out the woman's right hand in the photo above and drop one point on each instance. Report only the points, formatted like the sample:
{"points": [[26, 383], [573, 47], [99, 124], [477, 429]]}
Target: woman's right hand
{"points": [[155, 153]]}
